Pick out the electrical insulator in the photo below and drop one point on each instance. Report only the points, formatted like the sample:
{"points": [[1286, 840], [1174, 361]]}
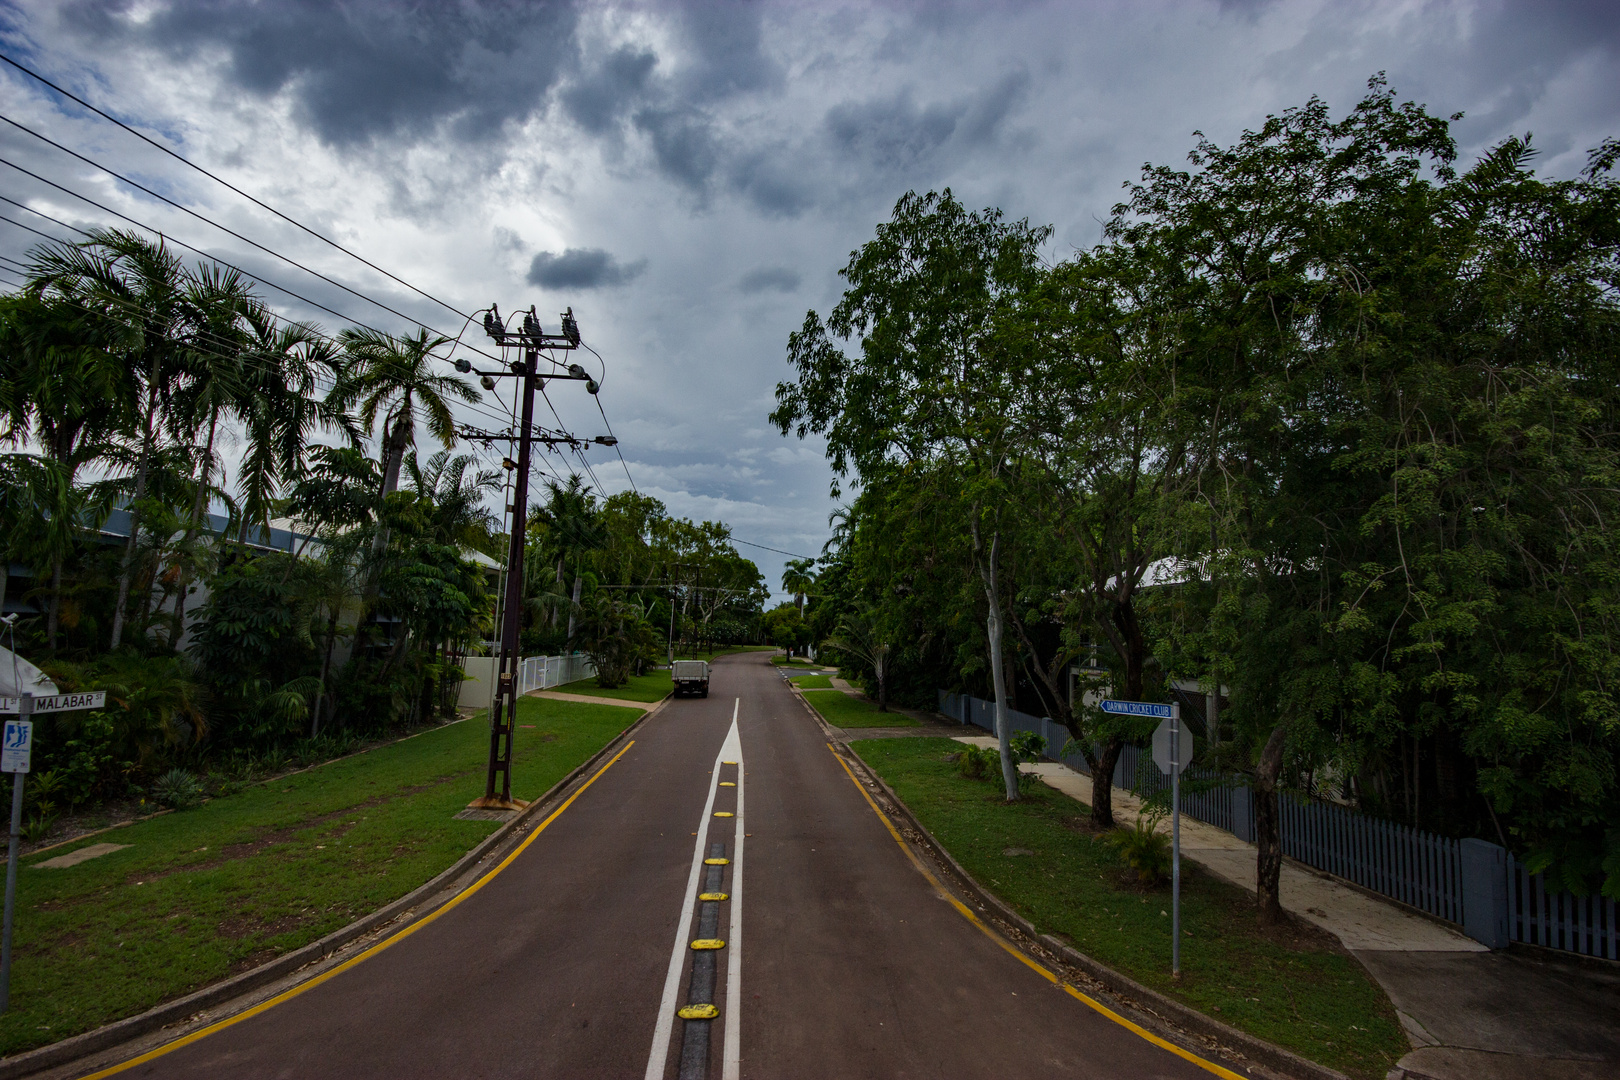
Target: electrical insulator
{"points": [[591, 387], [487, 382]]}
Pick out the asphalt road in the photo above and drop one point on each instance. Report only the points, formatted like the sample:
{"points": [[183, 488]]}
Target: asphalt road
{"points": [[573, 961]]}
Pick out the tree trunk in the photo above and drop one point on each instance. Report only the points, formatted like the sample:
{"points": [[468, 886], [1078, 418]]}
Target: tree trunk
{"points": [[398, 439], [883, 683], [326, 668], [135, 509], [197, 508], [1267, 828], [1102, 781], [1009, 768], [573, 608], [56, 605]]}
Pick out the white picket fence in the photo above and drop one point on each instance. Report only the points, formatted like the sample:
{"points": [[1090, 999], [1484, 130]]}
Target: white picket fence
{"points": [[545, 672], [534, 673]]}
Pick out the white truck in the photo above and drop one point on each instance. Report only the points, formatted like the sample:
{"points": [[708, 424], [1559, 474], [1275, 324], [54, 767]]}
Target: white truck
{"points": [[691, 677]]}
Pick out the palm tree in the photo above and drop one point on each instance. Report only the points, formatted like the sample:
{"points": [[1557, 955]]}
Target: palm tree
{"points": [[394, 376], [458, 515], [571, 516], [860, 634], [798, 580], [281, 409], [142, 289]]}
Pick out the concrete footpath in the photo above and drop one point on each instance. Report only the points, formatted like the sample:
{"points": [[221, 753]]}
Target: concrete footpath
{"points": [[1469, 1013]]}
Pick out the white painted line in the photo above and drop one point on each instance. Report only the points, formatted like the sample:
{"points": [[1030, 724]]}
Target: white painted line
{"points": [[731, 1068], [658, 1060]]}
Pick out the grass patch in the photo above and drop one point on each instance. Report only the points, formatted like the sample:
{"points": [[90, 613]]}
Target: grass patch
{"points": [[1294, 986], [801, 661], [812, 682], [202, 894], [653, 686], [842, 710]]}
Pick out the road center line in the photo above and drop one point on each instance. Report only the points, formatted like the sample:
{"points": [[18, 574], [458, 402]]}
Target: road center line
{"points": [[657, 1060], [731, 1068]]}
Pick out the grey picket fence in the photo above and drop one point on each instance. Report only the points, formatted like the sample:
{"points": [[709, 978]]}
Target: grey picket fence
{"points": [[1421, 869], [1559, 919], [1417, 868], [1205, 794]]}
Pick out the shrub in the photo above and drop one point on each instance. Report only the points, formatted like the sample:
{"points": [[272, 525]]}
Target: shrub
{"points": [[177, 789], [979, 763], [1143, 849]]}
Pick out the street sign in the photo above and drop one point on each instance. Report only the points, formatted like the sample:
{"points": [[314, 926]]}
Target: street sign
{"points": [[1134, 708], [1162, 745], [95, 699], [16, 746]]}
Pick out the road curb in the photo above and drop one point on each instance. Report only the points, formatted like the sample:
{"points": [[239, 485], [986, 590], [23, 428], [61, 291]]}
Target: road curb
{"points": [[1150, 1002], [427, 897]]}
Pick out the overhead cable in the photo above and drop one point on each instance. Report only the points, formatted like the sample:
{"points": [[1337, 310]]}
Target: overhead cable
{"points": [[226, 183]]}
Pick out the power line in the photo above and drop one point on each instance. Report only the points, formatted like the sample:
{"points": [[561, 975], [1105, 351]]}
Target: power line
{"points": [[198, 251], [225, 229], [219, 180], [762, 547]]}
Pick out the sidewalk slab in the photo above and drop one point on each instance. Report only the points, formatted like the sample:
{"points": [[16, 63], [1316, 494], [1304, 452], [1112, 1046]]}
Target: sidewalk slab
{"points": [[558, 695]]}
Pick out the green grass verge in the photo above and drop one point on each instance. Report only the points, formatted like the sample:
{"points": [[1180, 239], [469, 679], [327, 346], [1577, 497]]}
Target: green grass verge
{"points": [[801, 661], [652, 686], [812, 682], [841, 710], [202, 894], [1293, 987]]}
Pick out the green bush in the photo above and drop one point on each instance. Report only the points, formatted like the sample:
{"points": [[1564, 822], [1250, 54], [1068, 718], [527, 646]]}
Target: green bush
{"points": [[177, 789], [979, 763], [1143, 849]]}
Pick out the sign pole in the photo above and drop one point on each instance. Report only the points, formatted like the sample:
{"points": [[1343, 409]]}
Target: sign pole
{"points": [[25, 710], [1175, 841]]}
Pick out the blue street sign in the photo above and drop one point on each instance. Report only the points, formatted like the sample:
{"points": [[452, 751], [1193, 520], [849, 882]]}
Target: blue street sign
{"points": [[1134, 708]]}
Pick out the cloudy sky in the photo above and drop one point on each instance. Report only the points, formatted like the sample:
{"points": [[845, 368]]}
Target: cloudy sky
{"points": [[690, 178]]}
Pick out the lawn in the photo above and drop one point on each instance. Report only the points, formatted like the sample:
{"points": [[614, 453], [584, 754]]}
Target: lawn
{"points": [[653, 686], [812, 682], [202, 894], [1294, 987], [843, 710], [801, 661]]}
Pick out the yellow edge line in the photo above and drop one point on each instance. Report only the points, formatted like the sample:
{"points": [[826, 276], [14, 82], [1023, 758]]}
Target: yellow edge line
{"points": [[393, 939], [1015, 951]]}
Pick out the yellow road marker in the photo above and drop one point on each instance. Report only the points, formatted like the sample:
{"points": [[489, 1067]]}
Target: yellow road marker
{"points": [[394, 939], [708, 943], [714, 896], [698, 1012], [1017, 953], [728, 763], [723, 813], [727, 783], [716, 862]]}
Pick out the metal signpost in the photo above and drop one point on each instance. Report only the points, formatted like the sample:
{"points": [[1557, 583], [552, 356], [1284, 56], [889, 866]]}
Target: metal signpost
{"points": [[16, 750], [1172, 750]]}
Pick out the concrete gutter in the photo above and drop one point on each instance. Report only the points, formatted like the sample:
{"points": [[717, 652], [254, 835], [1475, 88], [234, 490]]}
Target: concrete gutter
{"points": [[219, 1000]]}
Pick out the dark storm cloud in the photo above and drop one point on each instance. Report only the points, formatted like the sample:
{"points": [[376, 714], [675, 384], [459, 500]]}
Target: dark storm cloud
{"points": [[727, 55], [780, 279], [359, 71], [684, 144], [581, 268], [600, 97]]}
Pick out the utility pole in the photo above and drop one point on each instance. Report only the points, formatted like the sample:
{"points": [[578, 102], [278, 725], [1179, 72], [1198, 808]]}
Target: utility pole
{"points": [[529, 342]]}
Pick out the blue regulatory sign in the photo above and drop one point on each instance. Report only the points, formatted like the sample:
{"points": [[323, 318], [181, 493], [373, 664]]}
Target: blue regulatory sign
{"points": [[1135, 708]]}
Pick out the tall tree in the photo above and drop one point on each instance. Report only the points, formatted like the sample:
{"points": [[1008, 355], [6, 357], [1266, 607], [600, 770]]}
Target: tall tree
{"points": [[936, 377]]}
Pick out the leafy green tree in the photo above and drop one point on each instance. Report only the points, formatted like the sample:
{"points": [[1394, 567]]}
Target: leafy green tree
{"points": [[937, 378]]}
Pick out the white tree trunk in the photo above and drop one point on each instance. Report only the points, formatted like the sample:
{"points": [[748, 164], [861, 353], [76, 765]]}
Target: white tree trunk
{"points": [[1009, 767]]}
